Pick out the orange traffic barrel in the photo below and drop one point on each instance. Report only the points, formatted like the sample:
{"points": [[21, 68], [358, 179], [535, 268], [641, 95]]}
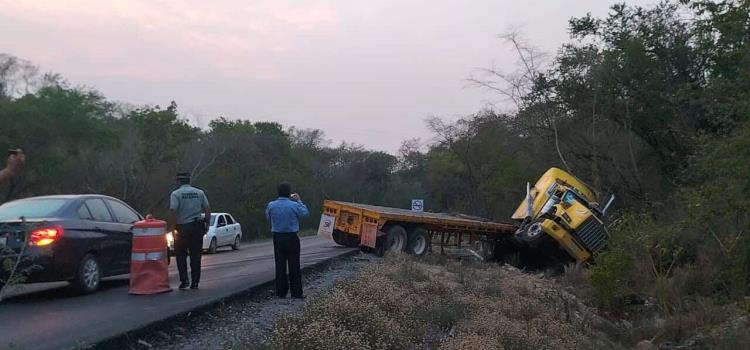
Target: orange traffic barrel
{"points": [[149, 261]]}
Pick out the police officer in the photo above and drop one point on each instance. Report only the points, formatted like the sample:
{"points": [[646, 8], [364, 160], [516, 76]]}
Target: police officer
{"points": [[284, 214], [186, 204]]}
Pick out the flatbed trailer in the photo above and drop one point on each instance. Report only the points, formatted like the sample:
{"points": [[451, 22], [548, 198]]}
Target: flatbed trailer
{"points": [[385, 228], [559, 221]]}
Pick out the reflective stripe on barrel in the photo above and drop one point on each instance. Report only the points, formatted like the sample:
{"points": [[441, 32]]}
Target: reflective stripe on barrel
{"points": [[153, 256], [155, 231]]}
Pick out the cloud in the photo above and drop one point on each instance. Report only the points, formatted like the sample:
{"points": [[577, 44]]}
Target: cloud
{"points": [[224, 38]]}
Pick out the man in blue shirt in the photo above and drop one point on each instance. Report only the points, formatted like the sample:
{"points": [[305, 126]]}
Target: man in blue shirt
{"points": [[284, 214]]}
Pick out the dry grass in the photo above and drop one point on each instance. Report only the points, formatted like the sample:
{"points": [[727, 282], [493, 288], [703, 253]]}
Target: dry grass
{"points": [[440, 303], [436, 303]]}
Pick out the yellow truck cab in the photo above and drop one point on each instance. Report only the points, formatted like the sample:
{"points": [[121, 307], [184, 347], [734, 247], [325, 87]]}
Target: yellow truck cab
{"points": [[564, 209]]}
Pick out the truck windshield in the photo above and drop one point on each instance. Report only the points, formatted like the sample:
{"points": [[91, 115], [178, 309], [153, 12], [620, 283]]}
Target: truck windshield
{"points": [[572, 196], [31, 208], [569, 198]]}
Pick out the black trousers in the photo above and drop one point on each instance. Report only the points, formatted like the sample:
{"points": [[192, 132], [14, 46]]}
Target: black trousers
{"points": [[189, 241], [286, 253]]}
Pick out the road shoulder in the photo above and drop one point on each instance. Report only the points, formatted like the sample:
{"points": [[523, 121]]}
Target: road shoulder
{"points": [[244, 319]]}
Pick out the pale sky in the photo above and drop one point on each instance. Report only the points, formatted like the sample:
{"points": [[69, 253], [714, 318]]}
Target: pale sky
{"points": [[368, 72]]}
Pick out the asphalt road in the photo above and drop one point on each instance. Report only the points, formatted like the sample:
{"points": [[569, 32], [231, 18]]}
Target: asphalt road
{"points": [[53, 319]]}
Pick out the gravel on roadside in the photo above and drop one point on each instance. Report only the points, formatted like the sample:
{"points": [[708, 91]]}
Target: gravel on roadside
{"points": [[242, 323]]}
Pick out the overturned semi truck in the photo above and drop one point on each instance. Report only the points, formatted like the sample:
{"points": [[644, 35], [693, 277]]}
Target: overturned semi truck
{"points": [[560, 219]]}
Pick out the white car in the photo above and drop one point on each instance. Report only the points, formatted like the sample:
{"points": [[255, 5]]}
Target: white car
{"points": [[223, 231]]}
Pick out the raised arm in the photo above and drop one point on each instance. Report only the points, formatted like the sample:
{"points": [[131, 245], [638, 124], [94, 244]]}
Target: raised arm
{"points": [[13, 166], [300, 209]]}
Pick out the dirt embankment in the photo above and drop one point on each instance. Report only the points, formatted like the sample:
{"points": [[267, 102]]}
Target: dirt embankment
{"points": [[437, 303], [433, 302]]}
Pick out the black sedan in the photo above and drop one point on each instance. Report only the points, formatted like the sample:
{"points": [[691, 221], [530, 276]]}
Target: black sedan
{"points": [[76, 238]]}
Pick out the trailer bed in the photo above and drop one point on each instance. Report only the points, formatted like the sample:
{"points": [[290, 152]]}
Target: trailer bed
{"points": [[351, 215]]}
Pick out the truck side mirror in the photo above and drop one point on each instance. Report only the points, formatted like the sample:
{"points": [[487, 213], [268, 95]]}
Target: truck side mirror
{"points": [[609, 203]]}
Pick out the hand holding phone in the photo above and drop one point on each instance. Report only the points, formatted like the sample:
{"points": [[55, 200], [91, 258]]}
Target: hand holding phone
{"points": [[16, 160]]}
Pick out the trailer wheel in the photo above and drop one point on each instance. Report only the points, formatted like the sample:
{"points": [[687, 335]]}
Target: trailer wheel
{"points": [[396, 240], [419, 242]]}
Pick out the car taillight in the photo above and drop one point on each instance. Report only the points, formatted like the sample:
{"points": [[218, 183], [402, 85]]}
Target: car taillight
{"points": [[45, 236]]}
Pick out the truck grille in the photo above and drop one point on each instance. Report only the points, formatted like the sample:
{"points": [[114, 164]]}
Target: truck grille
{"points": [[592, 235]]}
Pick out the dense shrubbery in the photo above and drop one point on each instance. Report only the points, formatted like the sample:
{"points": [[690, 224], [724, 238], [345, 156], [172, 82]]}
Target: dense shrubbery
{"points": [[696, 247], [689, 258], [686, 250]]}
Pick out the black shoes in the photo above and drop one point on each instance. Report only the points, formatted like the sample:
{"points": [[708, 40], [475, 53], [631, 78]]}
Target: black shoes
{"points": [[185, 284]]}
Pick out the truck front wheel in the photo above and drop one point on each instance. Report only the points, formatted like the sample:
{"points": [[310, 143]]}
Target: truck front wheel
{"points": [[419, 242], [533, 235], [396, 239]]}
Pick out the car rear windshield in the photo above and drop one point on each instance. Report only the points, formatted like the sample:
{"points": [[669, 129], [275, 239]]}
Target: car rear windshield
{"points": [[31, 209]]}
